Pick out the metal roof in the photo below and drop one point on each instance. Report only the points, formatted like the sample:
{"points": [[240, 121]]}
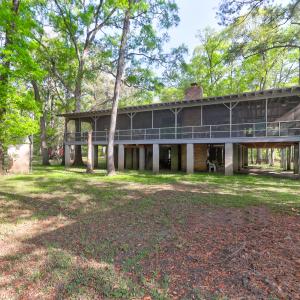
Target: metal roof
{"points": [[248, 96]]}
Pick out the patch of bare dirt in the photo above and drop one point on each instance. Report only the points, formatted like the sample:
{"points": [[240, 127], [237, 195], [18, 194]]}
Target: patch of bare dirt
{"points": [[241, 254]]}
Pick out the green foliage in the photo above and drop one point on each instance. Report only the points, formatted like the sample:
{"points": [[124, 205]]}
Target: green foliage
{"points": [[222, 65], [18, 110]]}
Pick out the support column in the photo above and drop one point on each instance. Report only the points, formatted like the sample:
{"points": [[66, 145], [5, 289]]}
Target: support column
{"points": [[297, 159], [121, 157], [67, 155], [155, 164], [190, 158], [228, 159], [96, 153], [174, 158], [141, 158], [90, 158]]}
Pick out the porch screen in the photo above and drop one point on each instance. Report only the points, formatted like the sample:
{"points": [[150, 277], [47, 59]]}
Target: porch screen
{"points": [[123, 122], [142, 120], [189, 116], [287, 109], [249, 112], [163, 118], [215, 114], [103, 123]]}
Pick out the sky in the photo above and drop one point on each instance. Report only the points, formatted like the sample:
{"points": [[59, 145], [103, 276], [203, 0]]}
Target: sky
{"points": [[195, 15]]}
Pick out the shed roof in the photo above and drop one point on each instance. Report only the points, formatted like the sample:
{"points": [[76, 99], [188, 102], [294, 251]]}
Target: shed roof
{"points": [[248, 96]]}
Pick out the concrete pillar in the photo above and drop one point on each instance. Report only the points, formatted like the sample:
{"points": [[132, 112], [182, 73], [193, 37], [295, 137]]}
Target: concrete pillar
{"points": [[141, 158], [96, 153], [228, 159], [155, 158], [288, 158], [121, 157], [135, 158], [90, 156], [235, 157], [190, 158], [283, 163], [174, 158], [67, 155], [297, 159]]}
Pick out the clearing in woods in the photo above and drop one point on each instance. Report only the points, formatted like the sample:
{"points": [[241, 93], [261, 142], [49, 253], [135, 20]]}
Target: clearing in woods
{"points": [[67, 234]]}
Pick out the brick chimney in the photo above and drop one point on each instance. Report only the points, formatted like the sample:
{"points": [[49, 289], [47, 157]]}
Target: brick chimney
{"points": [[194, 92]]}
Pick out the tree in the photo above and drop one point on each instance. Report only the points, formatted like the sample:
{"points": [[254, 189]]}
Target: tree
{"points": [[78, 24], [17, 104], [275, 17], [148, 21], [222, 65], [43, 132], [115, 102]]}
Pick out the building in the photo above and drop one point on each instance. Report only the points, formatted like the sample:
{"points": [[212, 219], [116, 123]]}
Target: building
{"points": [[185, 135]]}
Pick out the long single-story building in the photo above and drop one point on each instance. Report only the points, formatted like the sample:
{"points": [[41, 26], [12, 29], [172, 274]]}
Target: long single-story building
{"points": [[187, 135]]}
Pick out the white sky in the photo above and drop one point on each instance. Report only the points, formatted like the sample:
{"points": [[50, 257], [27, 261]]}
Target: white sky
{"points": [[195, 15]]}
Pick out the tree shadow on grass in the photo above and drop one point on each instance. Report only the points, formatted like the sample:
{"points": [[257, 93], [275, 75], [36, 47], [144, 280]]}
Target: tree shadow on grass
{"points": [[146, 237]]}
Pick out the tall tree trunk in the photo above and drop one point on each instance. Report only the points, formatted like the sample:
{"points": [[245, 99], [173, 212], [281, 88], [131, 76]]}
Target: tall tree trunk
{"points": [[271, 159], [78, 150], [251, 157], [43, 132], [120, 70], [259, 156], [1, 159], [43, 137], [267, 161]]}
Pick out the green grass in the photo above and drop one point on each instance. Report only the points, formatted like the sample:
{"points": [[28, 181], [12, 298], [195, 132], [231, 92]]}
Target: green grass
{"points": [[102, 229]]}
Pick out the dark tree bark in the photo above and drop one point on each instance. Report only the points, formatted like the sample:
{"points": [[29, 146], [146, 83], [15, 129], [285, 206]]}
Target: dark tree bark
{"points": [[78, 151], [78, 89], [259, 156], [43, 131], [120, 70], [43, 137]]}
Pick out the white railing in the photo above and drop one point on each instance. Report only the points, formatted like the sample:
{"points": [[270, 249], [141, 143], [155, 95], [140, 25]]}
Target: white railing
{"points": [[246, 130]]}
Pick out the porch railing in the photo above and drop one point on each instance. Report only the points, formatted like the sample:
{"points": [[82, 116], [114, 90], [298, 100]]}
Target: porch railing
{"points": [[242, 130]]}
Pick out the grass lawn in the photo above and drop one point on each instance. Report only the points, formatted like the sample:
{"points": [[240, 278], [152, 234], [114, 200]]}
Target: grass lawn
{"points": [[65, 234]]}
